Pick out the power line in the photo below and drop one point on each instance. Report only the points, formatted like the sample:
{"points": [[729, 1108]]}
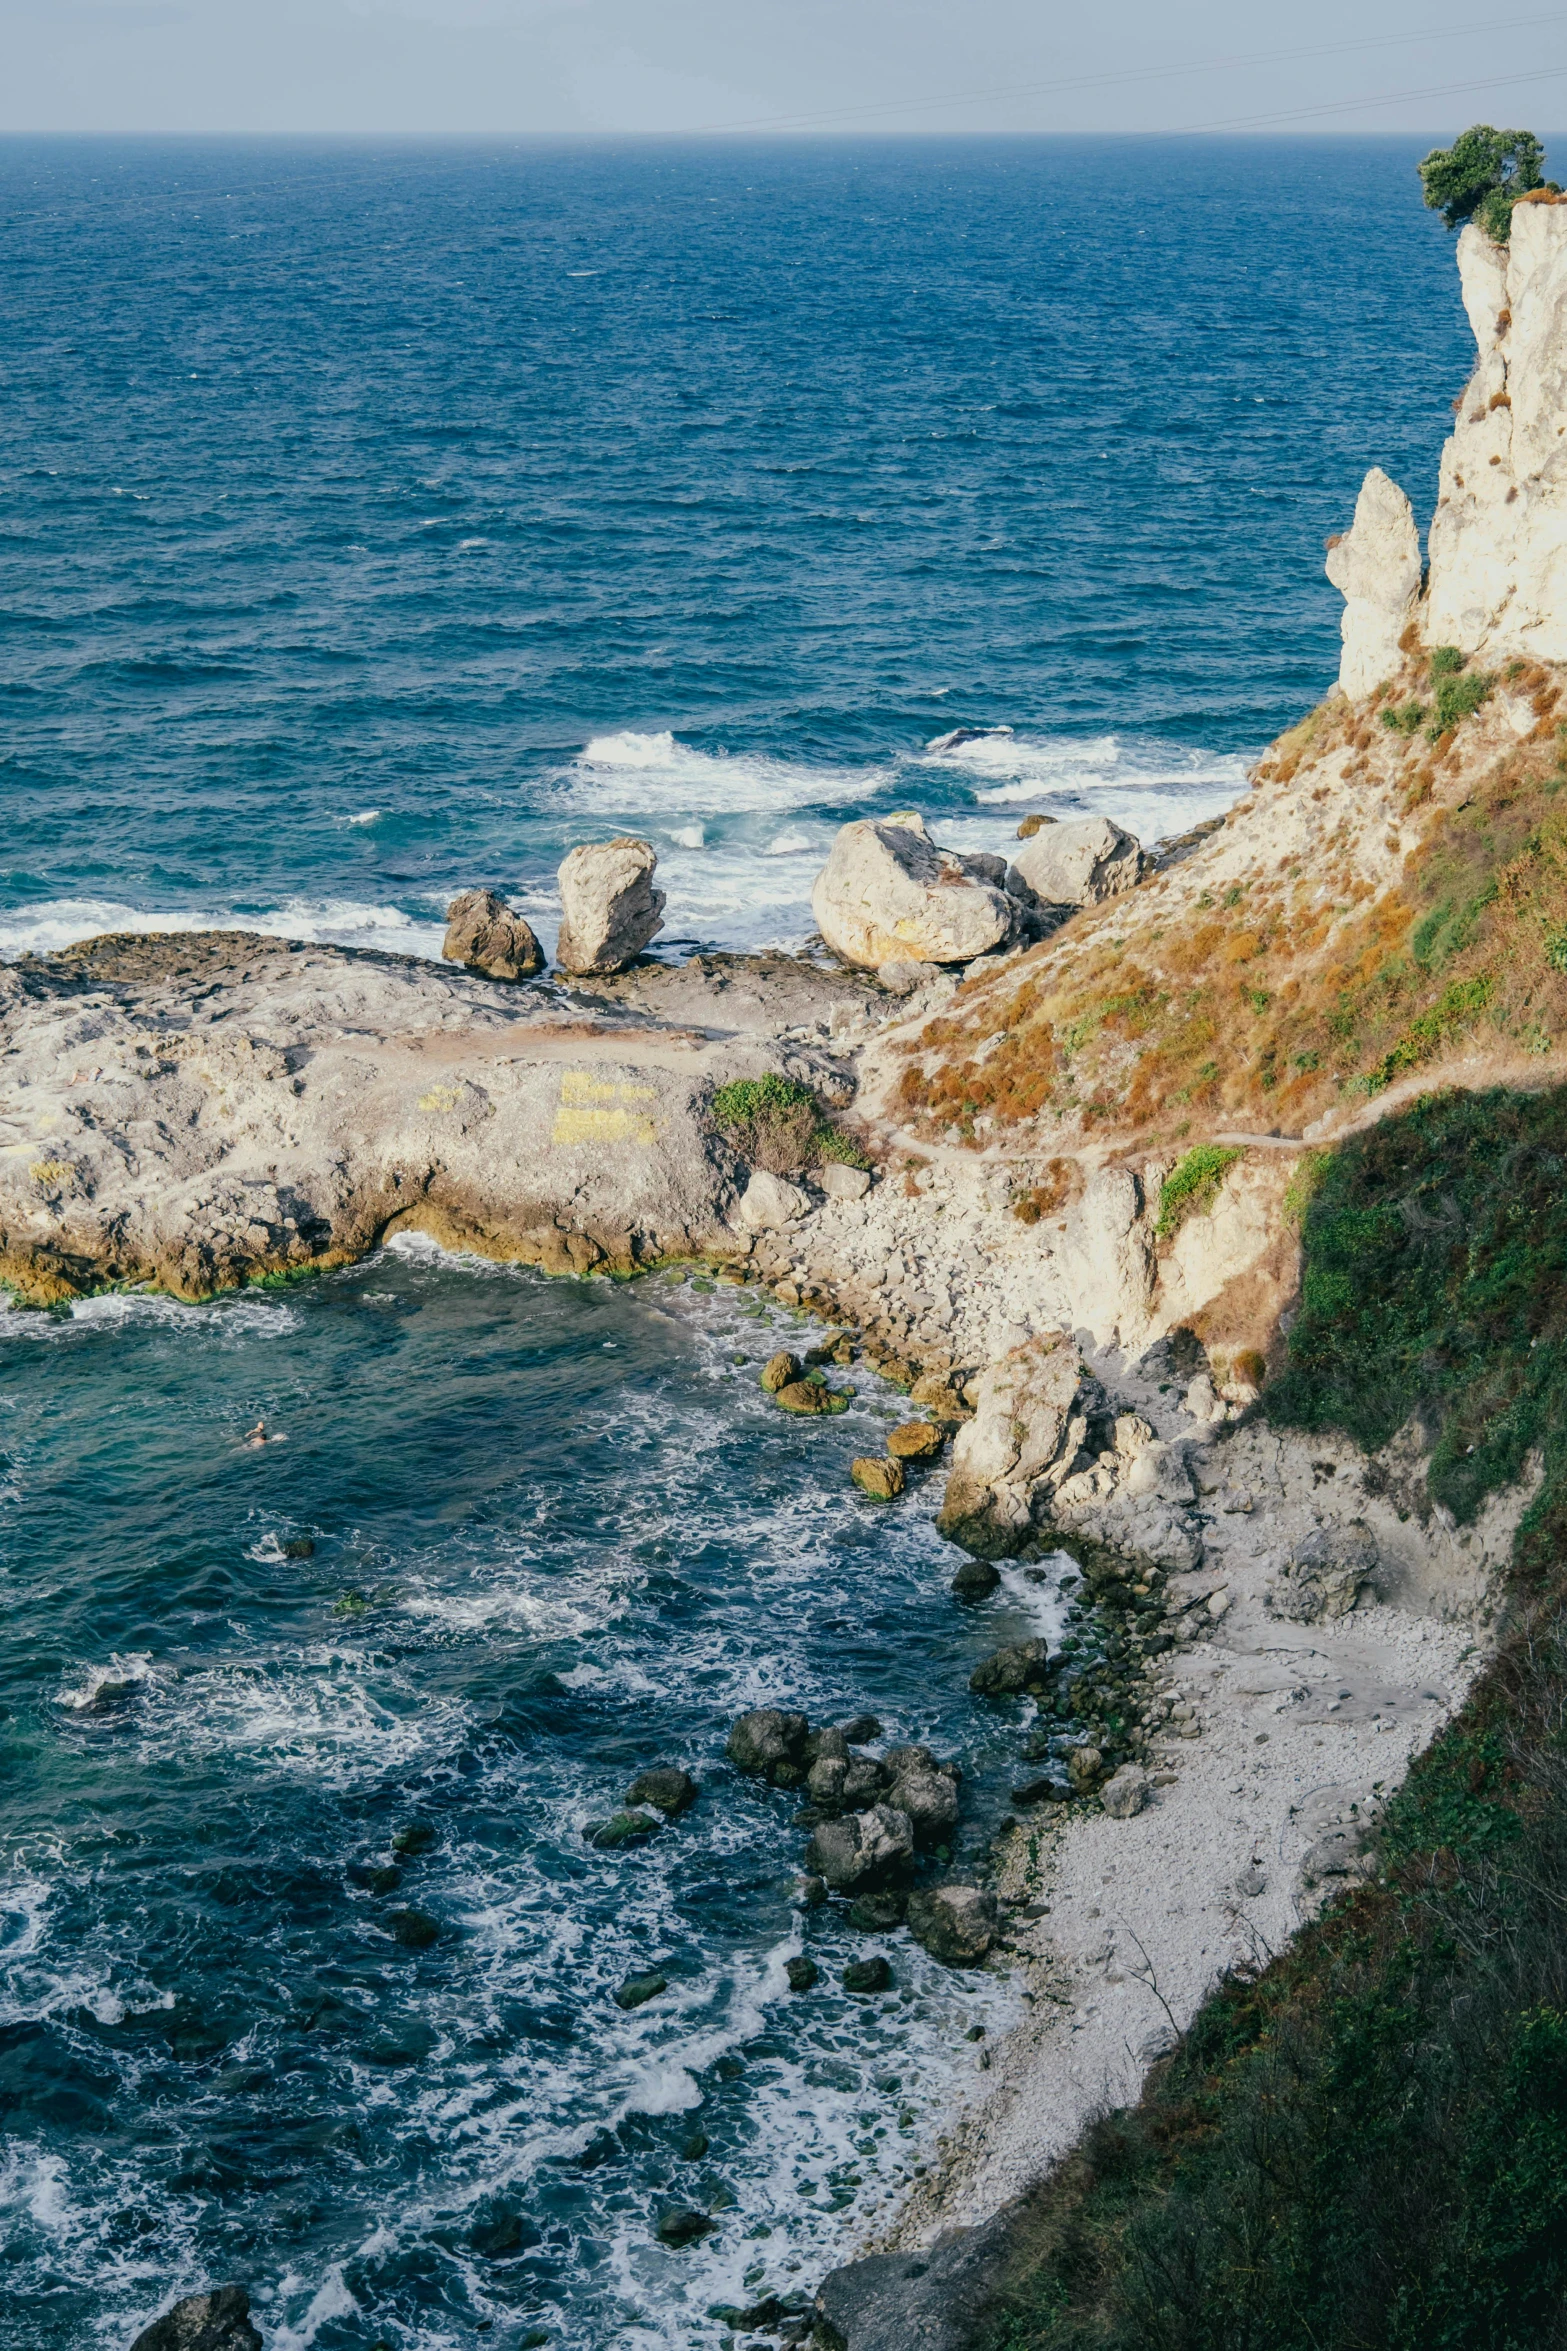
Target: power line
{"points": [[1253, 122], [1147, 73]]}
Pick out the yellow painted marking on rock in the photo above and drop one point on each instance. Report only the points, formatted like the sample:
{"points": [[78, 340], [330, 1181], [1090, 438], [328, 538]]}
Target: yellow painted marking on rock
{"points": [[592, 1110], [578, 1090]]}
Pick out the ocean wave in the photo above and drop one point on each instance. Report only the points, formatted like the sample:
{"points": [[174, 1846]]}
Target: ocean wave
{"points": [[658, 775], [52, 923]]}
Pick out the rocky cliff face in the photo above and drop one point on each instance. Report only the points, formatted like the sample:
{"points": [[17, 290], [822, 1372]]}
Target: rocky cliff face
{"points": [[1498, 540]]}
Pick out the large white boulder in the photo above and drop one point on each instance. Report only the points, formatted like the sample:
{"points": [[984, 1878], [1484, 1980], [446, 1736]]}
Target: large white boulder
{"points": [[1375, 567], [888, 894], [1030, 1419], [1079, 863], [769, 1203], [609, 907]]}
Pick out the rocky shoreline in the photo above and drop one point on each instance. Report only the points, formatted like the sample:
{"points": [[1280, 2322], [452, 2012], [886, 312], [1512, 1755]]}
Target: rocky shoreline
{"points": [[1264, 1630]]}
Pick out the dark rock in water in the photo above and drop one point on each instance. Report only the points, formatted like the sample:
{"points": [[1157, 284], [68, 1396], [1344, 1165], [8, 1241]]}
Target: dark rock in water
{"points": [[602, 2148], [862, 1783], [219, 2321], [930, 1799], [502, 2231], [877, 1914], [693, 2147], [682, 2225], [866, 1975], [376, 1877], [300, 1548], [1040, 1792], [827, 1746], [862, 1730], [960, 735], [769, 1745], [401, 2041], [622, 1828], [955, 1924], [865, 1847], [976, 1579], [768, 2315], [637, 1990], [414, 1929], [416, 1836], [1023, 1666], [810, 1892], [932, 2300], [802, 1973], [671, 1789]]}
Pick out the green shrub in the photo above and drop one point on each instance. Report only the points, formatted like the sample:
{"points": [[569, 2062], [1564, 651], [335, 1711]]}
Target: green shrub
{"points": [[1481, 177], [1365, 2144], [1445, 660], [779, 1125], [1192, 1184], [1405, 720], [1458, 698]]}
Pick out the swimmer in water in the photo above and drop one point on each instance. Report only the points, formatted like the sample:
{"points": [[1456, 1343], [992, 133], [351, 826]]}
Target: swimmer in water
{"points": [[257, 1435]]}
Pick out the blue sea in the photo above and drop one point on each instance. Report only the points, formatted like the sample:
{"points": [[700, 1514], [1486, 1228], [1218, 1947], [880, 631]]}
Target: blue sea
{"points": [[378, 521]]}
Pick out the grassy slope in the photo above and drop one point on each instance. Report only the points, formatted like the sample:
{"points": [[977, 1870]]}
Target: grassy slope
{"points": [[1429, 910], [1367, 2144]]}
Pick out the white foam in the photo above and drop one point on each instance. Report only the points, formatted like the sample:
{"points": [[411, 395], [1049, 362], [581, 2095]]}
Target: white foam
{"points": [[656, 774], [690, 836], [53, 923]]}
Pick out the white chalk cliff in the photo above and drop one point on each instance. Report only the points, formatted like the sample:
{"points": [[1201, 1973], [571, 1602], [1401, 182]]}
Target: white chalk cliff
{"points": [[1497, 580]]}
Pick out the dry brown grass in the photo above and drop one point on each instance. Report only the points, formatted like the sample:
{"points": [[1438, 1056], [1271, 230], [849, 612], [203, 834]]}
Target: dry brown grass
{"points": [[1272, 998]]}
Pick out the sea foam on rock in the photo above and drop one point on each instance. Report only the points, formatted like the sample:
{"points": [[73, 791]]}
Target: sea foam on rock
{"points": [[215, 2321]]}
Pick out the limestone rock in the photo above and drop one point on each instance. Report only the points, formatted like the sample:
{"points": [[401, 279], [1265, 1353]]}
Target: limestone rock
{"points": [[862, 1847], [955, 1924], [770, 1202], [1498, 539], [781, 1371], [881, 1480], [769, 1745], [935, 2299], [1030, 1419], [914, 1440], [215, 2321], [609, 907], [1084, 1766], [1325, 1573], [1125, 1792], [841, 1182], [483, 933], [1106, 1255], [1375, 567], [888, 895], [810, 1397], [1080, 863]]}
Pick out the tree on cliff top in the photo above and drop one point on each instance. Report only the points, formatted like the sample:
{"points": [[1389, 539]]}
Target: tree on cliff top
{"points": [[1481, 177]]}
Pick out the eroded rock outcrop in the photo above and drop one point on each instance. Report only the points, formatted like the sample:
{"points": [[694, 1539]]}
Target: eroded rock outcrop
{"points": [[609, 907], [484, 933], [1498, 540], [1375, 567], [888, 895], [1079, 863]]}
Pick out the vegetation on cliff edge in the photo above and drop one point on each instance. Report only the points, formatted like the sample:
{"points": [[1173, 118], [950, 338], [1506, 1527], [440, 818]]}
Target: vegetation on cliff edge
{"points": [[1364, 2146]]}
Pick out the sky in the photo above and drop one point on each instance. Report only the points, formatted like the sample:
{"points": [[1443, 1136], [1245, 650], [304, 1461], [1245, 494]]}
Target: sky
{"points": [[574, 67]]}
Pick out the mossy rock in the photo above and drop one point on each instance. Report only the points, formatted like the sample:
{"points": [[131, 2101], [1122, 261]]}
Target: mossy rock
{"points": [[915, 1440], [881, 1480], [620, 1830], [810, 1399]]}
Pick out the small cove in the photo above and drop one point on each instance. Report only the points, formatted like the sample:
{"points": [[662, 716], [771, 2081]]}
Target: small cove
{"points": [[558, 1534]]}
